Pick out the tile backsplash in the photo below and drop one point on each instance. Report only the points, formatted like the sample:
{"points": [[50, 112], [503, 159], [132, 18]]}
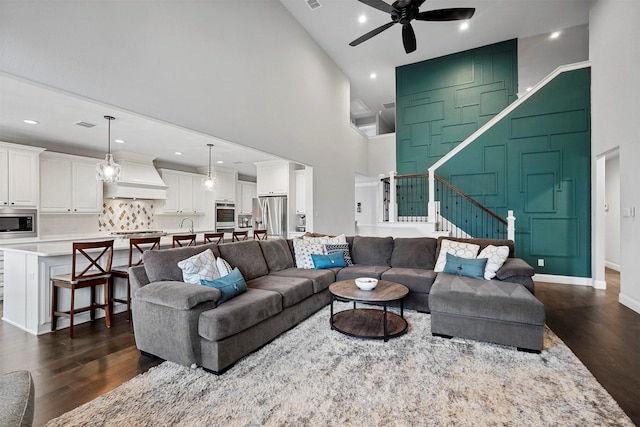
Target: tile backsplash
{"points": [[126, 214]]}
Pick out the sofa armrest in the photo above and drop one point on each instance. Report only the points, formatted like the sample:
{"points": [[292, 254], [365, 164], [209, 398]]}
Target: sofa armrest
{"points": [[177, 295], [137, 278], [514, 267]]}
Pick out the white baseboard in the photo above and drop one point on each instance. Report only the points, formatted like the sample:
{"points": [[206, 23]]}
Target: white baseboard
{"points": [[612, 265], [629, 302], [566, 280]]}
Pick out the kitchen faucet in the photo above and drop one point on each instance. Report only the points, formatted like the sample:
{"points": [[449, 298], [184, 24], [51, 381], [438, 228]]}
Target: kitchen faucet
{"points": [[190, 227]]}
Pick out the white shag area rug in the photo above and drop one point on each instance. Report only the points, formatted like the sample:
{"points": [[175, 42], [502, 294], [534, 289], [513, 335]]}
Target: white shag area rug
{"points": [[313, 376]]}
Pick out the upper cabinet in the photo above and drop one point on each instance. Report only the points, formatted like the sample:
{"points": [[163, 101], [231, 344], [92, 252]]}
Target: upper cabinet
{"points": [[18, 175], [273, 178], [225, 185], [184, 193], [246, 194], [301, 191], [68, 184]]}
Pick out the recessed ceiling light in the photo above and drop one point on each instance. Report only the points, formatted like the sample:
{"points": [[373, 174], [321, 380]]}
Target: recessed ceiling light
{"points": [[373, 75], [464, 26], [529, 89], [362, 19], [119, 141], [220, 162], [555, 34], [31, 122], [178, 153]]}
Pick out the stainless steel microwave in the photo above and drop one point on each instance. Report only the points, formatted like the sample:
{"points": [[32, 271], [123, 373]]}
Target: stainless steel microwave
{"points": [[16, 223]]}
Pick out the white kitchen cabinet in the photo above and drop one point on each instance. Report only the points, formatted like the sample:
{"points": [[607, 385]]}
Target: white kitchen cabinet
{"points": [[184, 193], [225, 186], [68, 184], [18, 176], [272, 178], [301, 191], [247, 192]]}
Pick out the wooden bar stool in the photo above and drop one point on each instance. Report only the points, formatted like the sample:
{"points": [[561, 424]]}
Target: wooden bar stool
{"points": [[236, 236], [140, 244], [91, 276], [260, 234], [216, 238], [180, 240]]}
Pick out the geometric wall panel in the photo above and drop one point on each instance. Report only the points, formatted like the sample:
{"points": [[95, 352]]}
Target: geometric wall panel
{"points": [[540, 193], [476, 184], [418, 113], [549, 124], [558, 237]]}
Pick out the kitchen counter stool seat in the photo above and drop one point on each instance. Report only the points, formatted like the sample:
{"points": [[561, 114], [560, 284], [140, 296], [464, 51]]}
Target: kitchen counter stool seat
{"points": [[260, 234], [139, 244], [180, 240], [237, 236], [99, 256]]}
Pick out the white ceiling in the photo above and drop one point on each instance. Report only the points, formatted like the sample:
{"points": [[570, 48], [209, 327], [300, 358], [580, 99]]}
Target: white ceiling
{"points": [[335, 24]]}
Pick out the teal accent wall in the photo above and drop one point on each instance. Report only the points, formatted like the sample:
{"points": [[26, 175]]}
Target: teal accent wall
{"points": [[440, 102], [536, 162]]}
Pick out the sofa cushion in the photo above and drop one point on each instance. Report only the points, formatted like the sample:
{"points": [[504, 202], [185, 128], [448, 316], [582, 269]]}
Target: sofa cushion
{"points": [[17, 394], [489, 299], [339, 247], [247, 256], [277, 254], [292, 289], [162, 264], [200, 266], [372, 250], [514, 267], [321, 262], [416, 252], [238, 314], [496, 256], [459, 249], [178, 295], [321, 279], [418, 280], [483, 243], [303, 250], [465, 266], [355, 271]]}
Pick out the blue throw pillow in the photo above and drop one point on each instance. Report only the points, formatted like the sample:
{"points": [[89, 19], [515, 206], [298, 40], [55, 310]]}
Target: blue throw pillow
{"points": [[231, 285], [465, 266], [335, 259]]}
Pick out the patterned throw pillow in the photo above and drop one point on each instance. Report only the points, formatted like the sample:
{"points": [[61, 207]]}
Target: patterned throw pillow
{"points": [[459, 249], [340, 247], [201, 266], [496, 256], [326, 240], [303, 248], [224, 268]]}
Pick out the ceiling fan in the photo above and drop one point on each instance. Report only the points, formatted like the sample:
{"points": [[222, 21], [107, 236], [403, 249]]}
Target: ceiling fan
{"points": [[405, 11]]}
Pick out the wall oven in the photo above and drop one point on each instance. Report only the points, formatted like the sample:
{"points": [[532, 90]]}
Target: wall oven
{"points": [[16, 223], [225, 217]]}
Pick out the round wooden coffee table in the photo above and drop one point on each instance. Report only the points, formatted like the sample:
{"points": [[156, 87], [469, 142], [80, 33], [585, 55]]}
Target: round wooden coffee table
{"points": [[369, 322]]}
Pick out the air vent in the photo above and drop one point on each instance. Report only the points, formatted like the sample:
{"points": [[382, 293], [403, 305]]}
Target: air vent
{"points": [[313, 4], [389, 105], [85, 124]]}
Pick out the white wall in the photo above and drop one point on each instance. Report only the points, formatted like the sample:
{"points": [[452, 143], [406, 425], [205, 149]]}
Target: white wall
{"points": [[382, 154], [614, 37], [612, 213], [209, 66], [540, 55]]}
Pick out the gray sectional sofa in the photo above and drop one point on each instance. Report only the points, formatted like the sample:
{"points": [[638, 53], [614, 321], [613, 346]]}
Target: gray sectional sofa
{"points": [[183, 322]]}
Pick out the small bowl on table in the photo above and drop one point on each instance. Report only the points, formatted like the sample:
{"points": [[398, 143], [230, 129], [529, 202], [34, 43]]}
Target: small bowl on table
{"points": [[366, 283]]}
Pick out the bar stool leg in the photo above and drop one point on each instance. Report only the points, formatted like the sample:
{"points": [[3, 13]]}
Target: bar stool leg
{"points": [[107, 307], [128, 300], [93, 303], [54, 307], [73, 302]]}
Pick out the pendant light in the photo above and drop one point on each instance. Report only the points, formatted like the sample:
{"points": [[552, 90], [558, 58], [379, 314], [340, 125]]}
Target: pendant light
{"points": [[208, 182], [108, 170]]}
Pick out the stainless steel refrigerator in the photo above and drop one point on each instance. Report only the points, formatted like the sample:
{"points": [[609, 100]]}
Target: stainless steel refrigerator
{"points": [[270, 213]]}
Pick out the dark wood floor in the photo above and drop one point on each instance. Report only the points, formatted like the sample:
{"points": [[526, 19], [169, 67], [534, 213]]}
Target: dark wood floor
{"points": [[604, 334]]}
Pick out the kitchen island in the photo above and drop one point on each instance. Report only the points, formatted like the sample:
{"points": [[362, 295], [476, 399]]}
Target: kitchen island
{"points": [[28, 268]]}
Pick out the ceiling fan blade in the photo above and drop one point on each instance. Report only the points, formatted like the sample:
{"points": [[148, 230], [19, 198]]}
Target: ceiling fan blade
{"points": [[378, 4], [454, 14], [408, 38], [370, 34]]}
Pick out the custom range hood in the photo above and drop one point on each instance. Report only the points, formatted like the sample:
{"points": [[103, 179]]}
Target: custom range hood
{"points": [[139, 179]]}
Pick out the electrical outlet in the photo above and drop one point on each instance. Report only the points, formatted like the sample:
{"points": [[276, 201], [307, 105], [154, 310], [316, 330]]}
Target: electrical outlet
{"points": [[540, 262]]}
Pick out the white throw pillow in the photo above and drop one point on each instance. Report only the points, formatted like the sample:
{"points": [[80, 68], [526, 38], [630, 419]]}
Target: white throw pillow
{"points": [[459, 249], [496, 256], [199, 266], [224, 268], [303, 248], [326, 240]]}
